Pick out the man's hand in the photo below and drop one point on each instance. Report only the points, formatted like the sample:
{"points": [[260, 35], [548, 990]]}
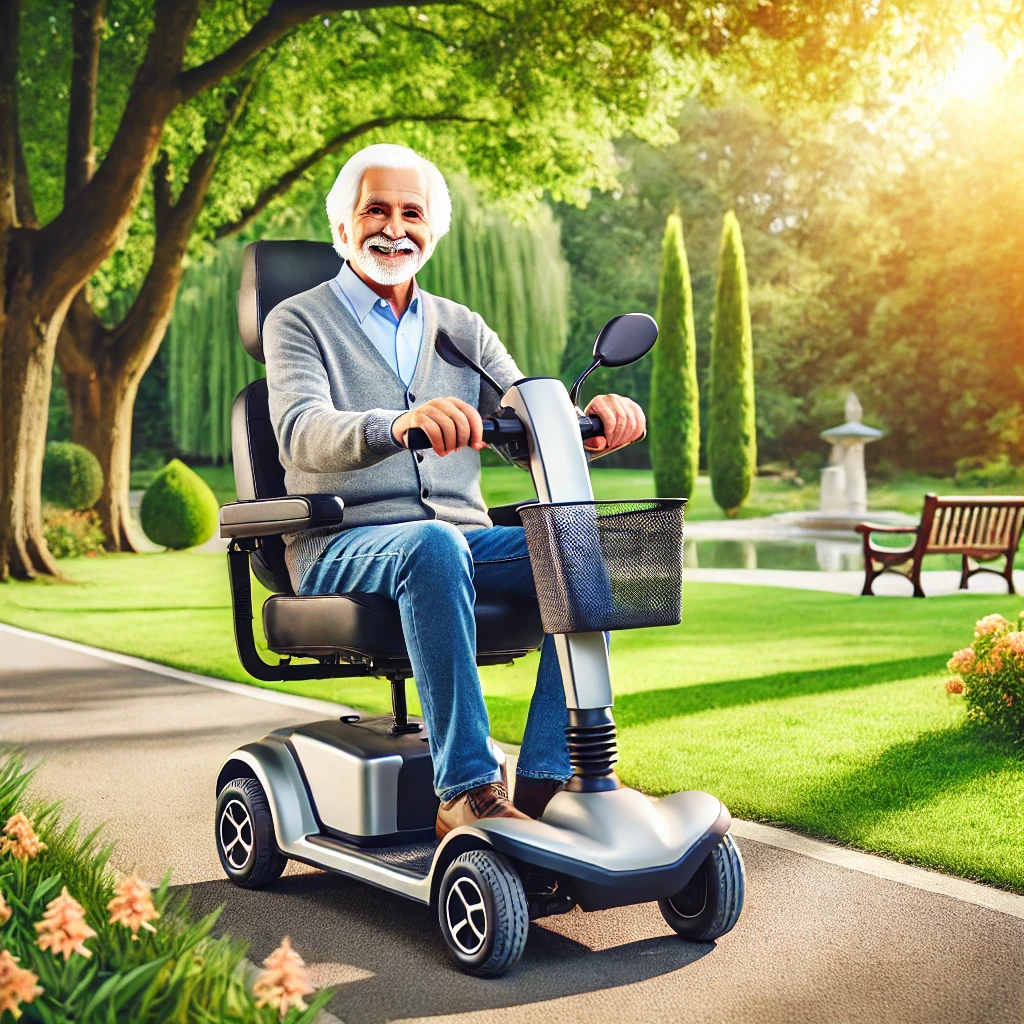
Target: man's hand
{"points": [[624, 422], [450, 423]]}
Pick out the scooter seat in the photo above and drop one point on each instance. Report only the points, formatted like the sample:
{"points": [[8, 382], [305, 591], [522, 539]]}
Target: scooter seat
{"points": [[369, 624]]}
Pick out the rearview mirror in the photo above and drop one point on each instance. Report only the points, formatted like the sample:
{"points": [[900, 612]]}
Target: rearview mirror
{"points": [[623, 340], [454, 356]]}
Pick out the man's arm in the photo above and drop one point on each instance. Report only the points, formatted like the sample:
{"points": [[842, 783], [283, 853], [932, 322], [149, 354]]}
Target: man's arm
{"points": [[312, 435]]}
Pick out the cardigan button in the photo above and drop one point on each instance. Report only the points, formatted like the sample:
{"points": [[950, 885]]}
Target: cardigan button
{"points": [[426, 492], [419, 456], [412, 397]]}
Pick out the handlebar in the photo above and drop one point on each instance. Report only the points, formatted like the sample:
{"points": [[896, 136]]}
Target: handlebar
{"points": [[503, 429]]}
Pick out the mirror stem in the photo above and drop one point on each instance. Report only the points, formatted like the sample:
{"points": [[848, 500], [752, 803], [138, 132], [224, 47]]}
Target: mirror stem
{"points": [[575, 389]]}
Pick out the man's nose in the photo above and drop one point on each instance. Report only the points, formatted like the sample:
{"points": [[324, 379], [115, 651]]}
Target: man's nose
{"points": [[394, 227]]}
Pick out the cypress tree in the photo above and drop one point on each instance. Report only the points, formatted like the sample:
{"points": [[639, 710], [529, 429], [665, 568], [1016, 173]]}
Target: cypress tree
{"points": [[675, 408], [732, 439]]}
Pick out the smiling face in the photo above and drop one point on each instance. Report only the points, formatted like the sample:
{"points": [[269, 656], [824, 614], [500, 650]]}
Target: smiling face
{"points": [[389, 237]]}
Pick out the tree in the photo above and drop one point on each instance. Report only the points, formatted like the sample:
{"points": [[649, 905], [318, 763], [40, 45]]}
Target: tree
{"points": [[732, 438], [675, 404]]}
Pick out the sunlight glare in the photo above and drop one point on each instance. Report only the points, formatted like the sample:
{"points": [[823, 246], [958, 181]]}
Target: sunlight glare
{"points": [[979, 66]]}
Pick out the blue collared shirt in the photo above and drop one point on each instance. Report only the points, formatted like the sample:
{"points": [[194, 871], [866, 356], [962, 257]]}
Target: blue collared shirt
{"points": [[398, 341]]}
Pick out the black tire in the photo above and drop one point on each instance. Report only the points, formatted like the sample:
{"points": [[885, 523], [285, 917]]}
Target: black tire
{"points": [[710, 903], [483, 913], [246, 843]]}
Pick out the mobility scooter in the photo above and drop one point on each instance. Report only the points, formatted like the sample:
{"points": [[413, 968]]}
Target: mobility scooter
{"points": [[354, 795]]}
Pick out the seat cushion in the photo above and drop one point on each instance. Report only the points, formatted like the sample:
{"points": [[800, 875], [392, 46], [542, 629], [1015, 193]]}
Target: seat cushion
{"points": [[369, 624]]}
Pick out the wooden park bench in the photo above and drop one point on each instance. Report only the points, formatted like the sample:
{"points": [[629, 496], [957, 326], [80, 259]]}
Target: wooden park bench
{"points": [[978, 529]]}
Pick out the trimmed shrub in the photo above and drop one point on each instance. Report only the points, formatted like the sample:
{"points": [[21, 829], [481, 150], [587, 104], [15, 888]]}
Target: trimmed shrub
{"points": [[72, 476], [732, 437], [675, 405], [990, 675], [980, 472], [71, 534], [178, 509]]}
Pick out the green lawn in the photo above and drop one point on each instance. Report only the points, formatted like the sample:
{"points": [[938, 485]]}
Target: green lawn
{"points": [[821, 712]]}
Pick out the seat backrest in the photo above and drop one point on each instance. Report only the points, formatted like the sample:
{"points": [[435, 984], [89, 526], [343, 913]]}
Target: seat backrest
{"points": [[271, 273], [983, 524]]}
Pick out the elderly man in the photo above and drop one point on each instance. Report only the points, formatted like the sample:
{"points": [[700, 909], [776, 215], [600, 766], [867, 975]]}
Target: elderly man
{"points": [[351, 369]]}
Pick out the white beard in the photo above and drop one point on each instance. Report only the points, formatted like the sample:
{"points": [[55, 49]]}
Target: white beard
{"points": [[389, 272]]}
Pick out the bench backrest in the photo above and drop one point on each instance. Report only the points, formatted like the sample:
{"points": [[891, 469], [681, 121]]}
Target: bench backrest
{"points": [[971, 524]]}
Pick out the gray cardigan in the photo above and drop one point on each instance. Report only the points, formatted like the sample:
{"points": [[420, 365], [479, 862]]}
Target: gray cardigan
{"points": [[333, 398]]}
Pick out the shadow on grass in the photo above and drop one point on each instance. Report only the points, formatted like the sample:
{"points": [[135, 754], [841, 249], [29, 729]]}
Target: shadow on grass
{"points": [[508, 714], [903, 776]]}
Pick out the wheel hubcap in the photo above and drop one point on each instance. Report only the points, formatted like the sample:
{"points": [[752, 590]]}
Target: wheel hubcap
{"points": [[236, 834], [467, 915], [694, 898]]}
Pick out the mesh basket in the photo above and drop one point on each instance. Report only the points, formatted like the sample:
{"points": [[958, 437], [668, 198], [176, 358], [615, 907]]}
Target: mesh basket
{"points": [[606, 564]]}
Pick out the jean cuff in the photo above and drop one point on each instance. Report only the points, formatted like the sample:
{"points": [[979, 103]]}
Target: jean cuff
{"points": [[464, 787], [556, 776]]}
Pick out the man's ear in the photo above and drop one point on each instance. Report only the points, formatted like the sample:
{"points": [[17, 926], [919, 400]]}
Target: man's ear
{"points": [[342, 234]]}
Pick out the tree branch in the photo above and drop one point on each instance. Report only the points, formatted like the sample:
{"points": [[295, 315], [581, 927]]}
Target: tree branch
{"points": [[86, 29], [285, 182], [10, 16]]}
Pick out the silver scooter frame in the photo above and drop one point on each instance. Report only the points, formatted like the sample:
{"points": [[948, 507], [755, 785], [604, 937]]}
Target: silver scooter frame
{"points": [[617, 846]]}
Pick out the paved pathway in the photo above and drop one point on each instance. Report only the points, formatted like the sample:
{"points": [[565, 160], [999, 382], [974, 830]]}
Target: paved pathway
{"points": [[818, 942]]}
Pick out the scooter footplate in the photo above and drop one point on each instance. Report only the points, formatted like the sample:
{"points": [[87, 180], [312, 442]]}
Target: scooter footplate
{"points": [[415, 858]]}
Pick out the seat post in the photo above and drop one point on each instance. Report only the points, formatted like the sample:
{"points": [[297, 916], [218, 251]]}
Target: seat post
{"points": [[399, 709]]}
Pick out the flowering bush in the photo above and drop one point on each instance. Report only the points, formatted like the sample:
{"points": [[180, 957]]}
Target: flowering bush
{"points": [[990, 675], [71, 534], [77, 944]]}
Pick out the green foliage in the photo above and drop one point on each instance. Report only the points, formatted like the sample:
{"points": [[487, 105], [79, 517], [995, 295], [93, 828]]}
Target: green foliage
{"points": [[990, 674], [72, 476], [176, 973], [71, 534], [977, 471], [178, 509], [732, 442], [513, 275], [674, 414], [207, 364]]}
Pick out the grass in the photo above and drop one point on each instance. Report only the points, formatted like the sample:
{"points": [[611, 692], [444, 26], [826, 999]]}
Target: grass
{"points": [[821, 712]]}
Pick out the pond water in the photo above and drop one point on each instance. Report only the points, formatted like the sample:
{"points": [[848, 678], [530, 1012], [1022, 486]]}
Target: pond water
{"points": [[814, 554]]}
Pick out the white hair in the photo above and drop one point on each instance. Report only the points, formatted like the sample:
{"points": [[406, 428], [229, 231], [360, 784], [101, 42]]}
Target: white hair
{"points": [[344, 194]]}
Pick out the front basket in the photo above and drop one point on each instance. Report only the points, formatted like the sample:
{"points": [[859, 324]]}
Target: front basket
{"points": [[603, 565]]}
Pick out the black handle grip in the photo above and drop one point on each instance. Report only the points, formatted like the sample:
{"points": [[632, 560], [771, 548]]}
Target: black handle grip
{"points": [[501, 430]]}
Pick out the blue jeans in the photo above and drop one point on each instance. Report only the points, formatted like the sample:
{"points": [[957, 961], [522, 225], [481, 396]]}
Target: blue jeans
{"points": [[432, 569]]}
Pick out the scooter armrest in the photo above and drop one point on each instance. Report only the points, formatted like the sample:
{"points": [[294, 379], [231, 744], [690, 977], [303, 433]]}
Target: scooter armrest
{"points": [[265, 517]]}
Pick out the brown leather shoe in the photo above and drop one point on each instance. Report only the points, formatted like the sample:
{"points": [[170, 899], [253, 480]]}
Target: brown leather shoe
{"points": [[531, 796], [487, 801]]}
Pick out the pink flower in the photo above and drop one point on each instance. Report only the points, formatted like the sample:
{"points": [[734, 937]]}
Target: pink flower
{"points": [[63, 928], [955, 685], [991, 664], [5, 911], [962, 661], [990, 624], [20, 840], [1013, 643], [16, 985], [284, 982], [133, 906]]}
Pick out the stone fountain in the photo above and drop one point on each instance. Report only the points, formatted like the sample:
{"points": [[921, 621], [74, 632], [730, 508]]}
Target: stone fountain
{"points": [[844, 484]]}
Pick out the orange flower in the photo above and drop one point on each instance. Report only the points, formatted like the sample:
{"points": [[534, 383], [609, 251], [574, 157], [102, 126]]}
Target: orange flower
{"points": [[990, 624], [21, 841], [5, 911], [63, 928], [284, 982], [16, 985], [1008, 699], [955, 685], [1013, 643], [962, 661], [133, 906]]}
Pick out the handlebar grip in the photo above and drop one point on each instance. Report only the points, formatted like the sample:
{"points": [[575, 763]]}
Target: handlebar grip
{"points": [[502, 430], [590, 426], [416, 439]]}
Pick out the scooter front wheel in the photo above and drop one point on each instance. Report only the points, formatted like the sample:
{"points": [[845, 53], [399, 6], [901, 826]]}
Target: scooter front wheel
{"points": [[483, 913], [246, 843], [710, 903]]}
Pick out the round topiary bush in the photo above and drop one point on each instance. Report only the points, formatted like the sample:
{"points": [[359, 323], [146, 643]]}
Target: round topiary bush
{"points": [[178, 509], [72, 476]]}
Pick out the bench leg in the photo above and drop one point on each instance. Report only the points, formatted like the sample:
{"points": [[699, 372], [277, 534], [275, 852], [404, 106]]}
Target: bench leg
{"points": [[965, 572], [869, 577], [1008, 575], [915, 578]]}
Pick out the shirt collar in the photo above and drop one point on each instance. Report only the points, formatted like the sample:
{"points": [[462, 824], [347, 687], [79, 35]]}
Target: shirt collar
{"points": [[362, 296]]}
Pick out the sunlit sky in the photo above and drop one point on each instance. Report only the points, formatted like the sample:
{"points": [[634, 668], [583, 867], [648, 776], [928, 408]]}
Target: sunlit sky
{"points": [[977, 70]]}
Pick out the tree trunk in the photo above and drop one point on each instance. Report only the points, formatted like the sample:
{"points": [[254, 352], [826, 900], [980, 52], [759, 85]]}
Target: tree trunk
{"points": [[26, 366]]}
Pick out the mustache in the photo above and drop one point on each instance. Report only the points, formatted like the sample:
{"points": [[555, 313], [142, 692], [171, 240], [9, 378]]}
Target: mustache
{"points": [[381, 243]]}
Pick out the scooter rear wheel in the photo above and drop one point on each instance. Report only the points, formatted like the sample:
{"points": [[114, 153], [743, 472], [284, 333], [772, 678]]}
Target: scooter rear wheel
{"points": [[246, 843], [483, 913], [710, 903]]}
